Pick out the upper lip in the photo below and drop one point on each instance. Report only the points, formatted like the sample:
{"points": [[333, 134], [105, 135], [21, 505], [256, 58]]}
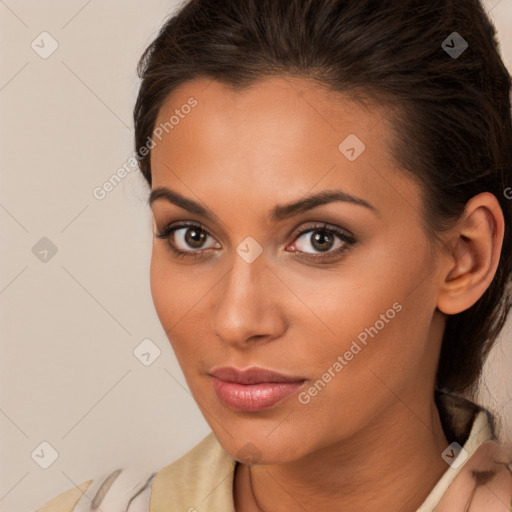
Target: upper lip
{"points": [[252, 375]]}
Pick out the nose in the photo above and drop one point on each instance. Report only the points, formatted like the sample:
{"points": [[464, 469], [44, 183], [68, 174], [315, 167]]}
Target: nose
{"points": [[248, 307]]}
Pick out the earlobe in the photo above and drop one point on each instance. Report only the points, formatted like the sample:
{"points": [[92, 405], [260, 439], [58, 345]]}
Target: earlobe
{"points": [[476, 243]]}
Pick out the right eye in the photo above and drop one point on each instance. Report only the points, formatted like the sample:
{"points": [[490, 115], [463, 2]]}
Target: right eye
{"points": [[182, 237]]}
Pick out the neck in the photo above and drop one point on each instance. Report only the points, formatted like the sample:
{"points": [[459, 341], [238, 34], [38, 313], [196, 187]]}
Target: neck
{"points": [[392, 464]]}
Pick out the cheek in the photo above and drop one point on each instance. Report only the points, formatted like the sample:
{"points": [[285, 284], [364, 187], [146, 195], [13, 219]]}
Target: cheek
{"points": [[375, 309], [179, 299], [168, 292], [172, 288], [160, 288], [341, 302]]}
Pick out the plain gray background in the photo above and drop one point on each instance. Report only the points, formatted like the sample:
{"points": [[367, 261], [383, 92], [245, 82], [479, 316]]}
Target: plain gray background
{"points": [[70, 321]]}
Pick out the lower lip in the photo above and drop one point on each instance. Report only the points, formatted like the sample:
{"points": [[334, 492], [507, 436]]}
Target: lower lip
{"points": [[253, 397]]}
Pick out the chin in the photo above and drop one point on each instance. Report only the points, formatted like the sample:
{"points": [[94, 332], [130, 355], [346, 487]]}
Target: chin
{"points": [[260, 448]]}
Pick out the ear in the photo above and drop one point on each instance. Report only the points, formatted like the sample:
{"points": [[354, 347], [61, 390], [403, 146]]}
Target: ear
{"points": [[475, 248]]}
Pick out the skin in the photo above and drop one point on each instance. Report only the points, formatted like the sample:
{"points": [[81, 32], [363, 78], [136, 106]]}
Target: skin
{"points": [[372, 438]]}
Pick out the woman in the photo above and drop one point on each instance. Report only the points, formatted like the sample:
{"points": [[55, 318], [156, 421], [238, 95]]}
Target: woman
{"points": [[332, 254]]}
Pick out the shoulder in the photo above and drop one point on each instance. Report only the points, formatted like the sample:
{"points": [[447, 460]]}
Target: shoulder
{"points": [[205, 470], [483, 484], [202, 479], [479, 476], [114, 488], [490, 474], [66, 501], [202, 459]]}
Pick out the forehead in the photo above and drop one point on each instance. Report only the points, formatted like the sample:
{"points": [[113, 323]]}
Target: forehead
{"points": [[299, 108], [272, 142]]}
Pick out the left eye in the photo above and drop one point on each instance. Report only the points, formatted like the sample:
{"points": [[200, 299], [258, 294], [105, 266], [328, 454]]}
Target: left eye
{"points": [[323, 239]]}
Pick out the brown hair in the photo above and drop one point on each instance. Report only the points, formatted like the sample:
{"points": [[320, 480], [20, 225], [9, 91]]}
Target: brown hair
{"points": [[451, 113]]}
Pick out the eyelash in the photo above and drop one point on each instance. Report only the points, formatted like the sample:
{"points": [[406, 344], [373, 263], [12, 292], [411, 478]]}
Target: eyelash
{"points": [[167, 231]]}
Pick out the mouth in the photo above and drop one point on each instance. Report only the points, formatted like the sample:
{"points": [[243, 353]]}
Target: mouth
{"points": [[253, 389]]}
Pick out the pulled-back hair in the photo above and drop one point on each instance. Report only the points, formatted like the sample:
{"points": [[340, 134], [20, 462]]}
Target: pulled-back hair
{"points": [[450, 114]]}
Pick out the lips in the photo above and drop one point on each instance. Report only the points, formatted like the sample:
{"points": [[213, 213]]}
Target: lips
{"points": [[251, 375], [253, 389]]}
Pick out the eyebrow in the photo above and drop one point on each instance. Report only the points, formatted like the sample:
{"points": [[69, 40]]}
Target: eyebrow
{"points": [[278, 213]]}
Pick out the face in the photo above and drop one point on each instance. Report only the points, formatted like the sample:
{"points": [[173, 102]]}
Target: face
{"points": [[338, 294]]}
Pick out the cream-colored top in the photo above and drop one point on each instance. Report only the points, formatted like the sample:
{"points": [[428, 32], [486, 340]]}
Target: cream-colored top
{"points": [[478, 479]]}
